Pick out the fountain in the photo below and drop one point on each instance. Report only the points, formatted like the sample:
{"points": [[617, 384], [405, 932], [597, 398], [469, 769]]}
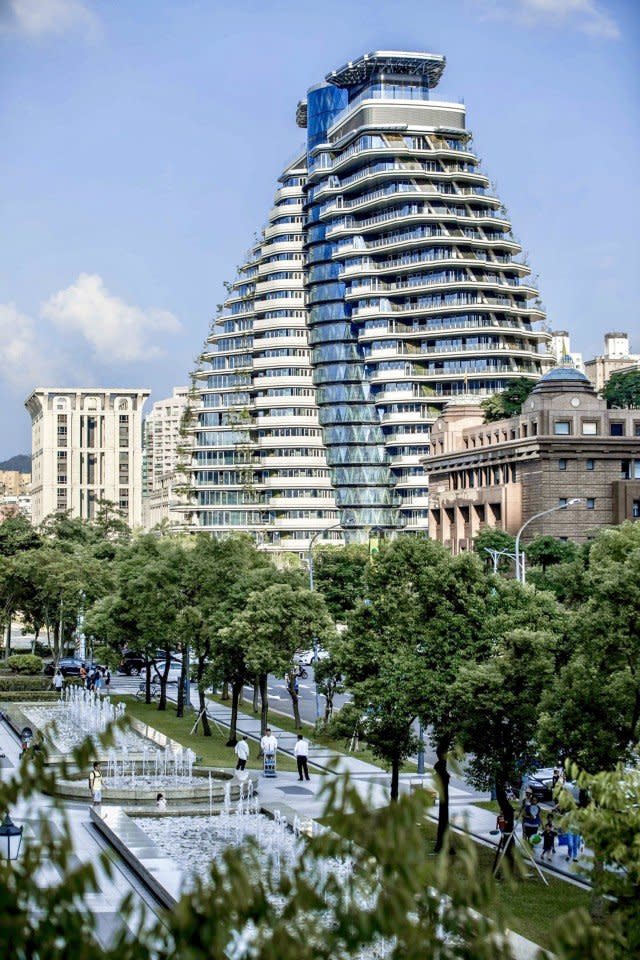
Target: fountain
{"points": [[141, 763]]}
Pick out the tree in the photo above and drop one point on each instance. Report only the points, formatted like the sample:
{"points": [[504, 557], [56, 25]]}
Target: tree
{"points": [[275, 622], [498, 696], [492, 538], [16, 536], [591, 712], [339, 575], [622, 390], [545, 551], [610, 826], [329, 681], [423, 610], [507, 403]]}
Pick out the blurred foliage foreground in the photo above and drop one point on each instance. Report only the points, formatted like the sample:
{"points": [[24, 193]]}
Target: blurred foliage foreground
{"points": [[399, 901]]}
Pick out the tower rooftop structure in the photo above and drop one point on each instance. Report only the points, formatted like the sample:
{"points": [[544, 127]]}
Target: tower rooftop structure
{"points": [[429, 66]]}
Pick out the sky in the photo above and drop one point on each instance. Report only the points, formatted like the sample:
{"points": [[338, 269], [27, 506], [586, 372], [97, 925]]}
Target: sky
{"points": [[141, 142]]}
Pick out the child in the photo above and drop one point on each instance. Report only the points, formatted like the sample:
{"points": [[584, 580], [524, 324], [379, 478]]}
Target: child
{"points": [[161, 802], [548, 841]]}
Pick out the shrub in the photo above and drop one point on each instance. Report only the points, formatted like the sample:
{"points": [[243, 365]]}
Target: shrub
{"points": [[25, 682], [107, 655], [28, 695], [24, 663]]}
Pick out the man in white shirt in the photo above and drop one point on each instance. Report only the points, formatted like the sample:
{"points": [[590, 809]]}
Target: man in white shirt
{"points": [[301, 751], [269, 744], [242, 753]]}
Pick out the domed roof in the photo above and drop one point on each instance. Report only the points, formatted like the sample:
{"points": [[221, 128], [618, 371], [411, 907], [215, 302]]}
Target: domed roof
{"points": [[565, 374]]}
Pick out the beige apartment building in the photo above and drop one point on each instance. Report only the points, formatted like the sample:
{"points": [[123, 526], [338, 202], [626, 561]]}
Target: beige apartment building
{"points": [[86, 447], [13, 483], [564, 444], [162, 440], [617, 358]]}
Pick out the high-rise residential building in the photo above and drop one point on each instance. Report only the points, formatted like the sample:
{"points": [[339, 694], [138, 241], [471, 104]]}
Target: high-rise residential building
{"points": [[86, 447], [617, 358], [387, 282], [163, 438]]}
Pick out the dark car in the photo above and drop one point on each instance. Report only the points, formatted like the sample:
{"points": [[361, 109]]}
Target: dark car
{"points": [[70, 666], [133, 664]]}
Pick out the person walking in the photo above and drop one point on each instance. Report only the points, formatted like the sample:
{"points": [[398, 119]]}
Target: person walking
{"points": [[548, 841], [97, 681], [95, 784], [107, 680], [531, 820], [301, 751], [58, 681], [573, 846], [241, 751], [83, 676]]}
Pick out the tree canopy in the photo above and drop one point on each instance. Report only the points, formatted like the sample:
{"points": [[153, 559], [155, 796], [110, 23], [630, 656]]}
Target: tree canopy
{"points": [[622, 390], [507, 403]]}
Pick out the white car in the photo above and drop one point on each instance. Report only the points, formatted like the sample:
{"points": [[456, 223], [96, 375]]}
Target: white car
{"points": [[305, 657], [175, 669]]}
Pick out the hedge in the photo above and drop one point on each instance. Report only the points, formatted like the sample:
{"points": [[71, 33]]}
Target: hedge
{"points": [[28, 695], [24, 663], [24, 682]]}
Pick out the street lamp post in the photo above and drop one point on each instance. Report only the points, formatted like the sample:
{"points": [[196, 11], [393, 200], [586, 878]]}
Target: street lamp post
{"points": [[520, 569], [10, 839], [318, 533]]}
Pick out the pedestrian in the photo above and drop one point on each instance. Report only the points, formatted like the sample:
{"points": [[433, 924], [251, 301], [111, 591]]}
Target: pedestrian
{"points": [[83, 676], [573, 846], [548, 841], [58, 681], [107, 679], [269, 744], [95, 784], [301, 751], [161, 802], [97, 681], [241, 751], [555, 780], [531, 820]]}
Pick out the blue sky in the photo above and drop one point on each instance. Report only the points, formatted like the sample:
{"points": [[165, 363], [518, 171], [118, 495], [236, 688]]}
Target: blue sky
{"points": [[141, 141]]}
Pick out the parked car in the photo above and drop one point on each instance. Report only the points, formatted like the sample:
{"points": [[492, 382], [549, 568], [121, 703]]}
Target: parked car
{"points": [[70, 666], [175, 670], [305, 657], [540, 783], [134, 663]]}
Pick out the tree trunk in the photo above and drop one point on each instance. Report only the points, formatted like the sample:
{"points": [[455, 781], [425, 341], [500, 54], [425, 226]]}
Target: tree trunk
{"points": [[395, 779], [147, 683], [7, 645], [598, 906], [328, 705], [507, 812], [443, 777], [256, 695], [206, 726], [295, 700], [236, 692], [164, 676], [225, 690], [264, 703], [180, 702]]}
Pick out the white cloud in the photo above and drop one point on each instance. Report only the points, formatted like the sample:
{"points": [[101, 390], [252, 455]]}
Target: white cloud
{"points": [[39, 17], [115, 330], [22, 362], [587, 16]]}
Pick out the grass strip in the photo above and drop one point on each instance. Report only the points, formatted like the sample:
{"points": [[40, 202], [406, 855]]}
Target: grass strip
{"points": [[213, 749]]}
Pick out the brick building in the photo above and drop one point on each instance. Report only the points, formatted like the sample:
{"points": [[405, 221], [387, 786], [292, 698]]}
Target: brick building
{"points": [[564, 444]]}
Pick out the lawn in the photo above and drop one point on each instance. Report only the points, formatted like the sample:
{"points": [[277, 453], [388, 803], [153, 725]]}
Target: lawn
{"points": [[213, 749]]}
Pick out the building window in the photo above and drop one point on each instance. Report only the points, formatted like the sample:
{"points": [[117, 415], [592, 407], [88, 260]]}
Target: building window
{"points": [[562, 501], [616, 429], [591, 503], [589, 428], [123, 428], [590, 464], [625, 469], [636, 428], [562, 464], [635, 510], [562, 428]]}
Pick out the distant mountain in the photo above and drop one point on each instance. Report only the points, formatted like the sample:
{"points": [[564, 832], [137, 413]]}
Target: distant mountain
{"points": [[21, 462]]}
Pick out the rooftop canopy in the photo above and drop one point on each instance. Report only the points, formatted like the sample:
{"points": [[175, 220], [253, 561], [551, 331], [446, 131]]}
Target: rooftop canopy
{"points": [[428, 66]]}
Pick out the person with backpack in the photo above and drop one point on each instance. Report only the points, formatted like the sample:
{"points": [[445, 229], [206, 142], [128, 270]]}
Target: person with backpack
{"points": [[95, 784], [531, 820]]}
